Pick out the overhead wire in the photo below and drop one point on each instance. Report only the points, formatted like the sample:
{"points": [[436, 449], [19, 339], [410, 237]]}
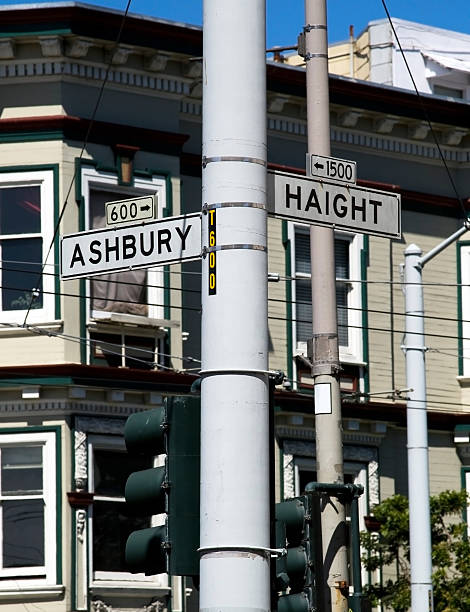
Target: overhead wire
{"points": [[426, 116], [85, 142]]}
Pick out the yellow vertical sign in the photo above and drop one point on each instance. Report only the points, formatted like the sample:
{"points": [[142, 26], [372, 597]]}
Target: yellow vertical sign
{"points": [[212, 257]]}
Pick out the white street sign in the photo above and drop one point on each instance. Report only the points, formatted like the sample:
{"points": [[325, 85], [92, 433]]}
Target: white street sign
{"points": [[101, 251], [322, 202], [331, 168], [133, 210]]}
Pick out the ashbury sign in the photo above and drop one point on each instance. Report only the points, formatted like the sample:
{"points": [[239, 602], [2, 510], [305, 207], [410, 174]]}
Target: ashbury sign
{"points": [[138, 246], [322, 202]]}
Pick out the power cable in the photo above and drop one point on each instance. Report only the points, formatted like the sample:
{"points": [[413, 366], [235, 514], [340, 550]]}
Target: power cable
{"points": [[87, 136], [426, 116]]}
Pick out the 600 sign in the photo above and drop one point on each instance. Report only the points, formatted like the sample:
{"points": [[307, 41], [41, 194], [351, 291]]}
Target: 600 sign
{"points": [[129, 211]]}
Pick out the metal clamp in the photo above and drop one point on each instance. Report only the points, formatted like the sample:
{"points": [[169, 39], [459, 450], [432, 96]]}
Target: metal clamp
{"points": [[309, 56], [231, 247], [317, 26], [246, 371], [216, 205], [232, 158], [260, 550]]}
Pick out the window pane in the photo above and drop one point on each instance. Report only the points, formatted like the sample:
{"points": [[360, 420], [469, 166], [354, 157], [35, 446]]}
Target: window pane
{"points": [[342, 313], [140, 352], [302, 253], [111, 470], [303, 296], [342, 258], [21, 273], [111, 529], [23, 533], [22, 470], [20, 210]]}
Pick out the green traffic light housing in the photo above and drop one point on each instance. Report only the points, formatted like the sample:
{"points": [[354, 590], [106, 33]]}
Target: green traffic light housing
{"points": [[173, 488], [294, 571]]}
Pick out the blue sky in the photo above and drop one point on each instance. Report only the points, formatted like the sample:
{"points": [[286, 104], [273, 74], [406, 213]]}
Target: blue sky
{"points": [[285, 18]]}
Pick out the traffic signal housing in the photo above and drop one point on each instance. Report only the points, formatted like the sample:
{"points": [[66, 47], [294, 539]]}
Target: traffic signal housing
{"points": [[171, 489], [295, 569]]}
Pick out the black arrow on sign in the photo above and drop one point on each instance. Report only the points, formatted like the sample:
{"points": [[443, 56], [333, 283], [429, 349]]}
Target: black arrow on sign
{"points": [[318, 166], [146, 207]]}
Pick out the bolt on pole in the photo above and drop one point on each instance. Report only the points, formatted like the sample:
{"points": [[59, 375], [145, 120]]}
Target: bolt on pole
{"points": [[324, 352], [235, 518]]}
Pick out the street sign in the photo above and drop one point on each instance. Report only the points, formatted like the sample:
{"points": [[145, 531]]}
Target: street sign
{"points": [[101, 251], [133, 210], [321, 202], [331, 168]]}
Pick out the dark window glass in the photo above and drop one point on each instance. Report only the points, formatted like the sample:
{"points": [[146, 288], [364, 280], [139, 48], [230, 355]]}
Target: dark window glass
{"points": [[21, 273], [22, 470], [20, 210], [111, 526], [304, 291], [111, 470], [23, 533], [111, 529]]}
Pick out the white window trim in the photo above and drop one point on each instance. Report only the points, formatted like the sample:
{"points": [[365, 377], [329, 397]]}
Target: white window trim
{"points": [[92, 179], [45, 179], [103, 442], [465, 307], [45, 574], [353, 353]]}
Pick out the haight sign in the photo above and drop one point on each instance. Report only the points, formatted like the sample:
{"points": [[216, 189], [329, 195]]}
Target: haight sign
{"points": [[323, 202], [102, 251]]}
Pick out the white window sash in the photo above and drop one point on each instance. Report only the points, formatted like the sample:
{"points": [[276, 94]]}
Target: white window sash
{"points": [[101, 442], [45, 180], [93, 179], [47, 441], [353, 351]]}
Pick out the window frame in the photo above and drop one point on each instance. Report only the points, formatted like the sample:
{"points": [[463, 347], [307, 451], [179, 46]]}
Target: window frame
{"points": [[91, 178], [354, 351], [99, 577], [47, 572], [44, 178], [464, 306]]}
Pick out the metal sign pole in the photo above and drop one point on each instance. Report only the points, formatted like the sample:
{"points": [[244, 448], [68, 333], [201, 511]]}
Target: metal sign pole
{"points": [[324, 347], [235, 527]]}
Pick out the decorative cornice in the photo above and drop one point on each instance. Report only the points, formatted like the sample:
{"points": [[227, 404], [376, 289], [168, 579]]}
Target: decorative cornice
{"points": [[75, 128], [67, 408], [170, 85]]}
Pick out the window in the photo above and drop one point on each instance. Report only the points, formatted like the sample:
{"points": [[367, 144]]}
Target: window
{"points": [[27, 506], [464, 324], [110, 528], [348, 293], [448, 92], [136, 292], [26, 230], [135, 297]]}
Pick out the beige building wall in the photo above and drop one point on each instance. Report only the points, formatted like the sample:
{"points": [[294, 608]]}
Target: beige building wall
{"points": [[385, 296], [277, 324]]}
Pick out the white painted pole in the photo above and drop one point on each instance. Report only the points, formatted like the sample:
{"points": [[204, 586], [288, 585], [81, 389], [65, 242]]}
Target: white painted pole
{"points": [[325, 353], [417, 435], [235, 390]]}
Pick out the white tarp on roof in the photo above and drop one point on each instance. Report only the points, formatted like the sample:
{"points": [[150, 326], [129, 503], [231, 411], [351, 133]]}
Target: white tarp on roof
{"points": [[453, 63]]}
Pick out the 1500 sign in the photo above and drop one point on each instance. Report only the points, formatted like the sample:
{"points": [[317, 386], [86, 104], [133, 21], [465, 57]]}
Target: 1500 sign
{"points": [[322, 202]]}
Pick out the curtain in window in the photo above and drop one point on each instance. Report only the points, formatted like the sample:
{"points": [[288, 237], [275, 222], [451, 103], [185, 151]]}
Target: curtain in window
{"points": [[124, 292]]}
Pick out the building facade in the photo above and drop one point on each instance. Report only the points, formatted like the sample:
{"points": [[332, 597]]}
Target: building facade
{"points": [[90, 115], [438, 59]]}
